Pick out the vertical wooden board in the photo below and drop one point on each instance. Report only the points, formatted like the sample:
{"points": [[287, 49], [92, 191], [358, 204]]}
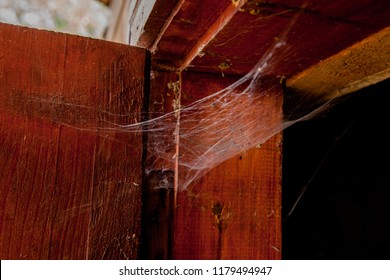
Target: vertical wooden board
{"points": [[163, 95], [158, 185], [71, 195], [158, 18], [234, 211], [70, 185], [116, 215], [25, 208]]}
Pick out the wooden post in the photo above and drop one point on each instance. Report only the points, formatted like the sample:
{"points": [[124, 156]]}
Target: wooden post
{"points": [[70, 187], [234, 211], [157, 200]]}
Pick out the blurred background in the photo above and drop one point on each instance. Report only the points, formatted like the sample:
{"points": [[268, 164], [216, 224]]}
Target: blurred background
{"points": [[89, 18]]}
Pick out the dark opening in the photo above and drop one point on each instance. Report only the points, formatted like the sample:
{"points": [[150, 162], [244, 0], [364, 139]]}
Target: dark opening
{"points": [[343, 158]]}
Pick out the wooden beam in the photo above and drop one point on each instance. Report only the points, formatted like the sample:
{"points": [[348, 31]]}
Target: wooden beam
{"points": [[129, 18], [211, 32], [361, 65], [193, 37], [189, 27], [168, 21]]}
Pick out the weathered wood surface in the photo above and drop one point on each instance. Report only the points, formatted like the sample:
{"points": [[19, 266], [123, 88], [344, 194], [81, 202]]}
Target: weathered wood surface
{"points": [[227, 36], [234, 211], [119, 28], [317, 30], [68, 190], [359, 66], [159, 20], [193, 19], [240, 197]]}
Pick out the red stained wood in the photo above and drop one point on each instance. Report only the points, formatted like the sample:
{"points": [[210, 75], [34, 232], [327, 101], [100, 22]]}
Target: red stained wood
{"points": [[68, 189], [323, 28], [234, 211], [163, 93], [158, 19], [188, 26], [208, 35]]}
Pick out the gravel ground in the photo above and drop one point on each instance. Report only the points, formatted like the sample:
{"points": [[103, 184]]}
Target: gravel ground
{"points": [[82, 17]]}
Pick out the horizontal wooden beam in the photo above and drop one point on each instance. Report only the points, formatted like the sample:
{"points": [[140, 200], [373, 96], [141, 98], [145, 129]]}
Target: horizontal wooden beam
{"points": [[213, 31], [168, 21], [361, 65]]}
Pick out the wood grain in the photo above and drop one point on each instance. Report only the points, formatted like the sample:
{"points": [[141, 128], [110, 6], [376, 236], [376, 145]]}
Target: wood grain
{"points": [[70, 188], [359, 66], [234, 211], [316, 31], [189, 25]]}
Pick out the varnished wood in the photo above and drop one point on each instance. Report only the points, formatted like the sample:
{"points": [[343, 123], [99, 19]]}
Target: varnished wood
{"points": [[70, 188]]}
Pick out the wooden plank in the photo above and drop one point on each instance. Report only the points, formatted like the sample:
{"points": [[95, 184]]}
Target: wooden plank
{"points": [[187, 27], [68, 189], [139, 15], [129, 18], [234, 211], [25, 213], [321, 29], [160, 18], [212, 31], [119, 27], [317, 30], [246, 190], [359, 66]]}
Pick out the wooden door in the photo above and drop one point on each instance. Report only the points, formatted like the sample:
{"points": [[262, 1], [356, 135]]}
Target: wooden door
{"points": [[70, 187]]}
